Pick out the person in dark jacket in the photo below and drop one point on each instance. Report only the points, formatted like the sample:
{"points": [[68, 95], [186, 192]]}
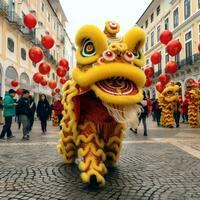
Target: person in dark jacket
{"points": [[43, 111], [143, 115], [1, 111], [58, 108], [33, 109], [25, 113], [157, 111], [8, 112]]}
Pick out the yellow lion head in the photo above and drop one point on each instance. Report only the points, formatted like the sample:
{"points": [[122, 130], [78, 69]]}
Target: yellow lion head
{"points": [[110, 66]]}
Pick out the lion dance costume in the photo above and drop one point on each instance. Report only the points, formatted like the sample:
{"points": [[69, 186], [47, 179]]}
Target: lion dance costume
{"points": [[168, 101], [194, 106], [101, 97]]}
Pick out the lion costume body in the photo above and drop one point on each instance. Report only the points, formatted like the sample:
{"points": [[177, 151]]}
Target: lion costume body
{"points": [[101, 97]]}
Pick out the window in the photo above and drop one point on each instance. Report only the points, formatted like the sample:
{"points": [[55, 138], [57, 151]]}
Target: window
{"points": [[199, 32], [186, 8], [53, 75], [152, 15], [147, 61], [188, 47], [177, 58], [49, 17], [42, 7], [142, 27], [23, 54], [158, 10], [147, 44], [146, 23], [167, 24], [198, 4], [166, 58], [10, 45], [175, 17], [158, 33], [152, 38]]}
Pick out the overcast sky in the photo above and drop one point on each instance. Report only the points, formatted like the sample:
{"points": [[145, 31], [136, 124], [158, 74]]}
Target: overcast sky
{"points": [[80, 12]]}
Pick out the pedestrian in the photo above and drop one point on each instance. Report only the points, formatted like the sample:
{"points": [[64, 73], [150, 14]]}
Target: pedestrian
{"points": [[143, 115], [58, 108], [184, 111], [32, 109], [43, 111], [177, 113], [25, 113], [1, 111], [157, 111], [8, 112]]}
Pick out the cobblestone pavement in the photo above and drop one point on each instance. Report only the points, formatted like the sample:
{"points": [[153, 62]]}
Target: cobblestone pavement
{"points": [[164, 165]]}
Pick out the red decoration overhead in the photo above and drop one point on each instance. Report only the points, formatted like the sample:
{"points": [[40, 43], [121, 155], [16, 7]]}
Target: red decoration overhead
{"points": [[53, 94], [149, 71], [173, 47], [148, 82], [164, 78], [57, 90], [156, 58], [166, 36], [199, 47], [171, 67], [14, 83], [47, 41], [36, 54], [37, 77], [52, 84], [19, 91], [61, 71], [30, 21], [64, 63], [160, 87], [44, 68], [43, 82], [63, 80]]}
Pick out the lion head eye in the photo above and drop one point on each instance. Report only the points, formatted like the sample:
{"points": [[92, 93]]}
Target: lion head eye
{"points": [[128, 55], [137, 55], [88, 48]]}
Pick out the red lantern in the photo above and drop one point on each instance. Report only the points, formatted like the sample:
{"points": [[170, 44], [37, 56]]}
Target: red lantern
{"points": [[148, 82], [19, 91], [63, 80], [156, 58], [36, 54], [61, 71], [52, 84], [47, 41], [43, 82], [166, 36], [173, 47], [64, 63], [149, 71], [160, 87], [44, 68], [57, 90], [199, 47], [30, 21], [53, 94], [14, 83], [164, 78], [37, 77], [171, 67]]}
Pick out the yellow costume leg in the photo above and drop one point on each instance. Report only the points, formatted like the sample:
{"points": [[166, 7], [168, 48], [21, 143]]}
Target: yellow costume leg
{"points": [[114, 144], [90, 150]]}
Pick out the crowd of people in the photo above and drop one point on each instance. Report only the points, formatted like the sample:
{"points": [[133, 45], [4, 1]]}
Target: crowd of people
{"points": [[25, 110]]}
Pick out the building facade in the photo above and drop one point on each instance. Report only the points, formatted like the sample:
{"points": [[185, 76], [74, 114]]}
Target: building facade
{"points": [[16, 40], [182, 17]]}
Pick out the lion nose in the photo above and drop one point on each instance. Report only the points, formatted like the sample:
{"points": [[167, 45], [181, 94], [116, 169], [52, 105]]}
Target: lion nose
{"points": [[118, 48]]}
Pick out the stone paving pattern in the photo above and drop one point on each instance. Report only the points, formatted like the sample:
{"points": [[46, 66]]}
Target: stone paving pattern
{"points": [[147, 169]]}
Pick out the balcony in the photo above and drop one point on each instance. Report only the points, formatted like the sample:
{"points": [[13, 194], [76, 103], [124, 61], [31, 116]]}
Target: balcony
{"points": [[3, 8]]}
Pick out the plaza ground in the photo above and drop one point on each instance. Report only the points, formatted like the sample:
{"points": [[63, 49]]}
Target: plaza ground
{"points": [[164, 165]]}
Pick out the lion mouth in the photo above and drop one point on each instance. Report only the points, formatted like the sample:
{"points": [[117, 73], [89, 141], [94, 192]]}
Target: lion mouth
{"points": [[118, 86]]}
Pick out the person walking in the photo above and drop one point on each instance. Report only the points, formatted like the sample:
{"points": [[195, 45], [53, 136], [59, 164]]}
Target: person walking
{"points": [[1, 111], [32, 109], [143, 115], [177, 113], [8, 112], [25, 113], [43, 109], [157, 111], [58, 108]]}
